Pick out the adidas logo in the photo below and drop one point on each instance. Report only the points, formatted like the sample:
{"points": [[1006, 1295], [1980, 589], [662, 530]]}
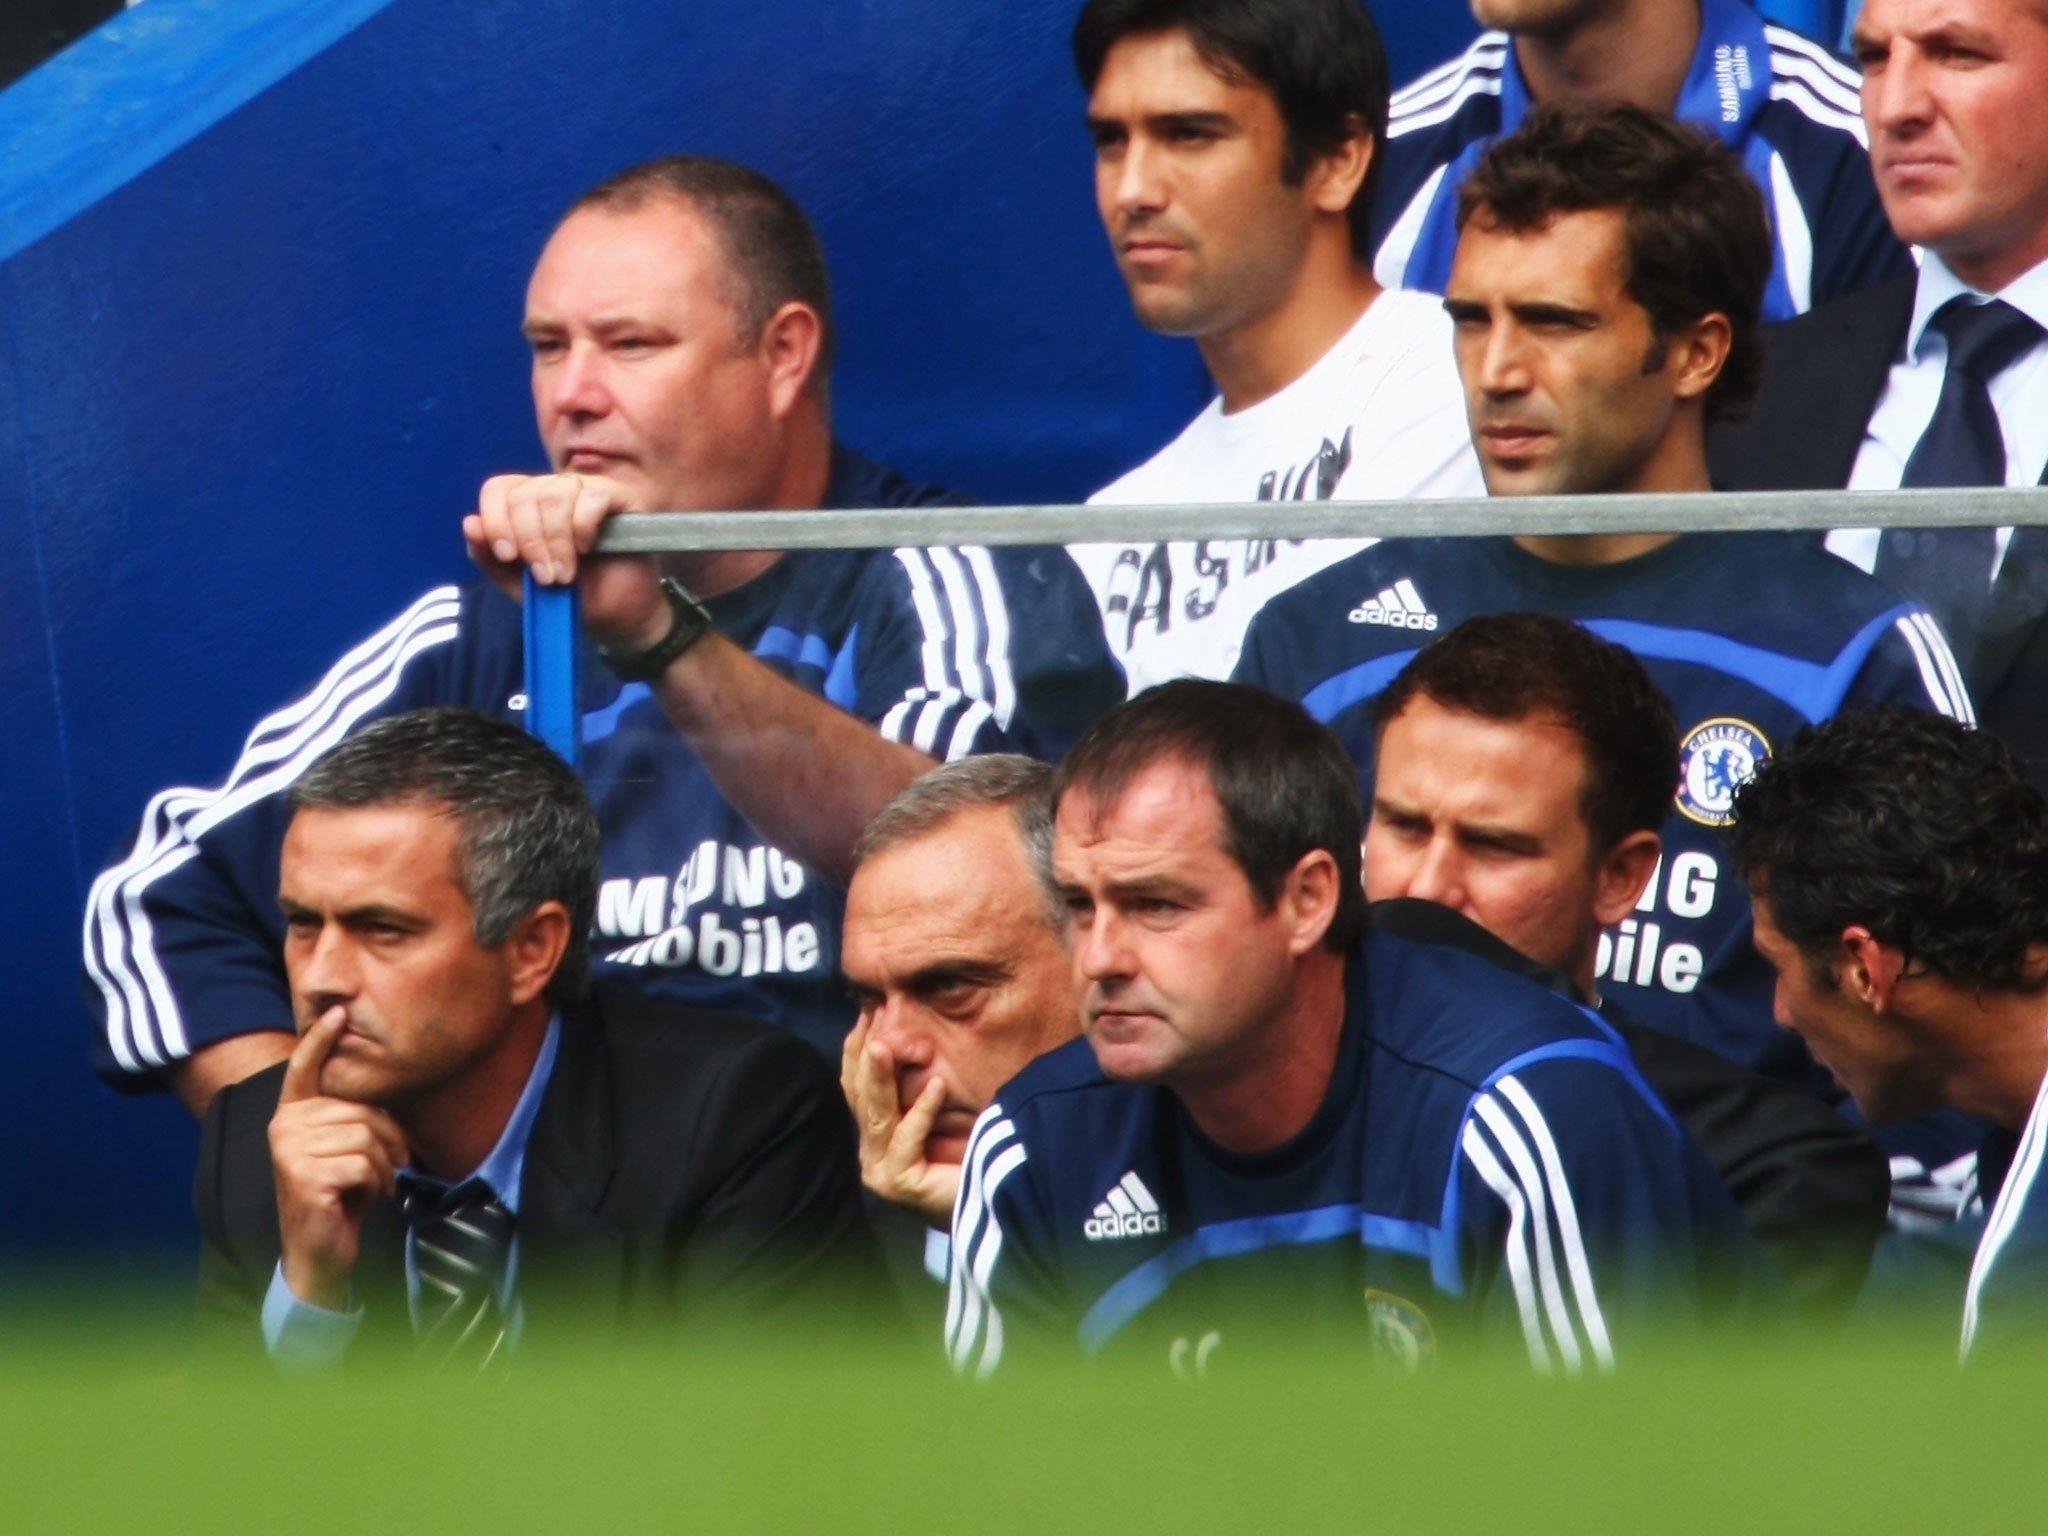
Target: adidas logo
{"points": [[1399, 607], [1128, 1210]]}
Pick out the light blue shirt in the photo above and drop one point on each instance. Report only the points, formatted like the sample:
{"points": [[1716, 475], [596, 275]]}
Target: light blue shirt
{"points": [[300, 1334]]}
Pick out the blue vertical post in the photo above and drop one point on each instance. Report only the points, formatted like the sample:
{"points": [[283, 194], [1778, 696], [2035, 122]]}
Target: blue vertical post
{"points": [[550, 622]]}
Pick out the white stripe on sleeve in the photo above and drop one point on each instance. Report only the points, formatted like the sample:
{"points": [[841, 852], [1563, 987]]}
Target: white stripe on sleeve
{"points": [[1533, 1187], [145, 1027], [2005, 1213], [1795, 235], [1517, 1246], [1566, 1209]]}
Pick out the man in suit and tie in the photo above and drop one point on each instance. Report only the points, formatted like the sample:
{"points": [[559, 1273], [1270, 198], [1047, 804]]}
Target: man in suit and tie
{"points": [[463, 1146], [1940, 378]]}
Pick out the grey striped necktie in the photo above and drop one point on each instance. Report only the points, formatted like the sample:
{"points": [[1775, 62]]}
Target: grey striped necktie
{"points": [[461, 1238]]}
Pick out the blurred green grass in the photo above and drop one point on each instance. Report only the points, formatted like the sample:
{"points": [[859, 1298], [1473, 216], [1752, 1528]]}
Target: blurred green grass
{"points": [[109, 1421]]}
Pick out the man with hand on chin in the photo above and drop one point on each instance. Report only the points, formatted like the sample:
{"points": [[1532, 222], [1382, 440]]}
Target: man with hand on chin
{"points": [[463, 1147], [956, 952]]}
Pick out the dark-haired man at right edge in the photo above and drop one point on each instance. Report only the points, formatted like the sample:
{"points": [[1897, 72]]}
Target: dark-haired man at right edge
{"points": [[1605, 299], [1914, 959], [1236, 150]]}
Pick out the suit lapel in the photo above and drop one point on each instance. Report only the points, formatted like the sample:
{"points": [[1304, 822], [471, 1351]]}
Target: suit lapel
{"points": [[572, 1253], [1839, 367], [1823, 375]]}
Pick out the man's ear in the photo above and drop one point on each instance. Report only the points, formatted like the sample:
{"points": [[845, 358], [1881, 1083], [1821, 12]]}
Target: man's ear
{"points": [[1335, 179], [1696, 354], [790, 343], [1870, 968], [1309, 900], [534, 950], [1624, 870]]}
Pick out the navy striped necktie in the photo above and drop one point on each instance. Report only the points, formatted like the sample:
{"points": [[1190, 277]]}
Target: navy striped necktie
{"points": [[461, 1240], [1949, 569]]}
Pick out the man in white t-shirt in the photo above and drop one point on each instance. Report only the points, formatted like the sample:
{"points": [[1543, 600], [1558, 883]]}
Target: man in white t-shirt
{"points": [[1235, 156]]}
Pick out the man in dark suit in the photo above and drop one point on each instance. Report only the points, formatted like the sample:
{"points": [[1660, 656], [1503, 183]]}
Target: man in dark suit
{"points": [[459, 1145], [1941, 378]]}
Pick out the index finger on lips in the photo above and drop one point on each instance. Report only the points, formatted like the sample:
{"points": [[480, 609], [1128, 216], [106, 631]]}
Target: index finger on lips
{"points": [[302, 1069]]}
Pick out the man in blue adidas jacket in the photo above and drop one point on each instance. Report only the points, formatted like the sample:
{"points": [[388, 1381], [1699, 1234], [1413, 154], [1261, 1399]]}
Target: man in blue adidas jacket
{"points": [[752, 708], [1278, 1120], [1782, 102]]}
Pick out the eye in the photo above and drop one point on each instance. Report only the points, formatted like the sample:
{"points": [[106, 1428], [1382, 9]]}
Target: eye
{"points": [[546, 348], [954, 997]]}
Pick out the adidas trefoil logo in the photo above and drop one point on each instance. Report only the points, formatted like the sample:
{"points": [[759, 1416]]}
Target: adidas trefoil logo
{"points": [[1398, 607], [1128, 1210]]}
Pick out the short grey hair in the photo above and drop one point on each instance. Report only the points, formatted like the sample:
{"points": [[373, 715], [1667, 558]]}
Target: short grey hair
{"points": [[527, 831], [1021, 785]]}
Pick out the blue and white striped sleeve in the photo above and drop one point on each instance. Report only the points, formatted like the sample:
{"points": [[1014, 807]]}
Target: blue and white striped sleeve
{"points": [[1914, 664], [954, 680], [181, 931], [982, 1271], [1590, 1215], [990, 650], [1507, 1142]]}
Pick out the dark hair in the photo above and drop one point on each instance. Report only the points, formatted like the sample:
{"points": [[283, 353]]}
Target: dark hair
{"points": [[1508, 666], [528, 832], [1916, 827], [1285, 784], [1021, 785], [770, 246], [1699, 241], [1320, 60]]}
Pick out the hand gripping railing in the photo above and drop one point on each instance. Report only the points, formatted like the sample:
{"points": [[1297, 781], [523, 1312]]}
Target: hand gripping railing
{"points": [[551, 612]]}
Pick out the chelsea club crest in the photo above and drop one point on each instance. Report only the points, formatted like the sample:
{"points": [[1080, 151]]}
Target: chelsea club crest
{"points": [[1716, 758]]}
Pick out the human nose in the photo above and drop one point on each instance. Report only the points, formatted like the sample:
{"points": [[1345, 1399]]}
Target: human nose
{"points": [[1131, 179], [1438, 875], [1895, 93], [324, 970], [573, 383], [894, 1026], [1498, 362], [1780, 1012], [1100, 950]]}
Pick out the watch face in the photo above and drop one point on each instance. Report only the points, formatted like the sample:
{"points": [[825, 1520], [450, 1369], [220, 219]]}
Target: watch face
{"points": [[689, 619]]}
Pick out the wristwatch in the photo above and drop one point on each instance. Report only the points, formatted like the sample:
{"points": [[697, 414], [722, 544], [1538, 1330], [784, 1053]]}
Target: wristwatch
{"points": [[690, 621]]}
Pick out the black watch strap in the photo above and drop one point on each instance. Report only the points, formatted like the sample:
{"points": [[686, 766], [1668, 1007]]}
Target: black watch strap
{"points": [[691, 621]]}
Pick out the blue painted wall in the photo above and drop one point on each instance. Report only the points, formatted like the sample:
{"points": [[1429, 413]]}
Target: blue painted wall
{"points": [[261, 269]]}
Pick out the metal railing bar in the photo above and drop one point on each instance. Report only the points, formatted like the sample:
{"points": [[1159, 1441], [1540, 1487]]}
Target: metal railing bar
{"points": [[881, 528]]}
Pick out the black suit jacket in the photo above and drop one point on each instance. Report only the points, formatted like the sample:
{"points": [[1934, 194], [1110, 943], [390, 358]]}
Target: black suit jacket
{"points": [[1823, 374], [686, 1171]]}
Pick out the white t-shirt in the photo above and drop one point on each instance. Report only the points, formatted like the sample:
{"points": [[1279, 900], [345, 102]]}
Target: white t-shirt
{"points": [[1380, 416]]}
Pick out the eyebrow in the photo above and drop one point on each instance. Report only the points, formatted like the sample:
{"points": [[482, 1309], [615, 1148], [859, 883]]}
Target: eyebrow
{"points": [[1160, 122], [941, 973], [1507, 838], [1551, 312], [372, 912]]}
